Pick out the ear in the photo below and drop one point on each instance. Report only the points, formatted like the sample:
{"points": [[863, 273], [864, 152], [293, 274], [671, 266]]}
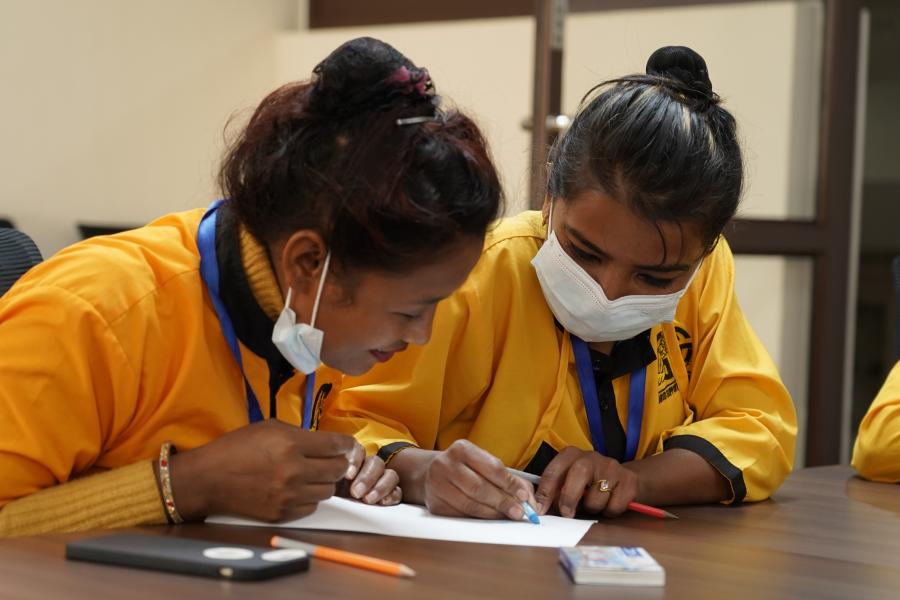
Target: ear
{"points": [[302, 260]]}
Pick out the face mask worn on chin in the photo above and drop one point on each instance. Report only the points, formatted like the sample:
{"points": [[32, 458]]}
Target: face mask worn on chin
{"points": [[301, 343], [580, 305]]}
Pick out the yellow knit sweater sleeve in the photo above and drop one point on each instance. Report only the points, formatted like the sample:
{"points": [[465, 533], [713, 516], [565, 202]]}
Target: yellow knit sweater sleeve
{"points": [[122, 497]]}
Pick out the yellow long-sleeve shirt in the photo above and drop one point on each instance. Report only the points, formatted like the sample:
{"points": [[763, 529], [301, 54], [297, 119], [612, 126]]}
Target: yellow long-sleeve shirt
{"points": [[107, 350], [876, 453], [499, 372]]}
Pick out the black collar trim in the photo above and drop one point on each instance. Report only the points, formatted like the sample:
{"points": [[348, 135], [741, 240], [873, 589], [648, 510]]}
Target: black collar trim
{"points": [[252, 325], [626, 357]]}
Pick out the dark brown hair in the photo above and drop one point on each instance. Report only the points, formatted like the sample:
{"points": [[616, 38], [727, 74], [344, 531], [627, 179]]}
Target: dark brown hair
{"points": [[338, 154], [660, 142]]}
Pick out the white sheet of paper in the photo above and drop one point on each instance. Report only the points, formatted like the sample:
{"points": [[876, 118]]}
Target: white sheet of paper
{"points": [[407, 520]]}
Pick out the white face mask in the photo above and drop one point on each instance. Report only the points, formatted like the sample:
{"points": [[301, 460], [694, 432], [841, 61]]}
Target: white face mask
{"points": [[299, 343], [580, 305]]}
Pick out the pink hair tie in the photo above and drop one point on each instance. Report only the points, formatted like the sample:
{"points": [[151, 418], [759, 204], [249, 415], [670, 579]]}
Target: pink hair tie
{"points": [[417, 81], [401, 75]]}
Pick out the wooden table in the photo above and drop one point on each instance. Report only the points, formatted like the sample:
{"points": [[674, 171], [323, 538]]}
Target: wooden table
{"points": [[827, 534]]}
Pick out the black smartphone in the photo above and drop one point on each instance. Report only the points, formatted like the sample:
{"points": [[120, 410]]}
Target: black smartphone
{"points": [[189, 556]]}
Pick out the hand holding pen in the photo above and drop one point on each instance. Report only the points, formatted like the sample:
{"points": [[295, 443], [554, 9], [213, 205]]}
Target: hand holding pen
{"points": [[466, 481], [585, 478], [645, 509]]}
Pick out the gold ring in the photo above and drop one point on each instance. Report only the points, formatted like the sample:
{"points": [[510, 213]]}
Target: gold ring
{"points": [[601, 485]]}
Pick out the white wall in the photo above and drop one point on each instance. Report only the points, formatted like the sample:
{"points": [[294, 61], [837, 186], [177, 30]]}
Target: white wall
{"points": [[113, 110]]}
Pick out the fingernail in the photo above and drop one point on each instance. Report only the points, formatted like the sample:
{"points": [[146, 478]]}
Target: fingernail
{"points": [[351, 472], [522, 495], [566, 511], [539, 508], [357, 489], [517, 513], [372, 496]]}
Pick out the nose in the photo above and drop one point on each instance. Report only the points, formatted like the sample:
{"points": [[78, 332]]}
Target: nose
{"points": [[418, 332], [614, 283]]}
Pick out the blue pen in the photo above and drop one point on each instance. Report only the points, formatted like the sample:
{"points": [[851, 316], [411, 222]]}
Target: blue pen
{"points": [[530, 514]]}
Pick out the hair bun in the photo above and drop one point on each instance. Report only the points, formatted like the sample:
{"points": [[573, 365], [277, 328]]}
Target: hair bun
{"points": [[686, 68], [366, 74]]}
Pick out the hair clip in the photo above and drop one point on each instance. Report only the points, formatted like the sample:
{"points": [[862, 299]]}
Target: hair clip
{"points": [[414, 120]]}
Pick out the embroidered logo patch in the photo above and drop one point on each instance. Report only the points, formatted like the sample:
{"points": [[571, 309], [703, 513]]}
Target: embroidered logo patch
{"points": [[319, 404], [665, 377]]}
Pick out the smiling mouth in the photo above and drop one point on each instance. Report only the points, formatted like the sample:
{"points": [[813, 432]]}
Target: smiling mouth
{"points": [[381, 355], [385, 355]]}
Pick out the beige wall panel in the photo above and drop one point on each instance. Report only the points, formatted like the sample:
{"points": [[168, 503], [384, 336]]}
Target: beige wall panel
{"points": [[113, 111]]}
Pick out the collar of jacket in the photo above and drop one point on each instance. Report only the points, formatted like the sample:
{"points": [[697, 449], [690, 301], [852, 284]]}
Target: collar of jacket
{"points": [[627, 356], [249, 291]]}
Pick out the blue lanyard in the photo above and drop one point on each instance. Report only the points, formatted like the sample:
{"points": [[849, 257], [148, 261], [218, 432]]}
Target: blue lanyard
{"points": [[591, 405], [209, 270]]}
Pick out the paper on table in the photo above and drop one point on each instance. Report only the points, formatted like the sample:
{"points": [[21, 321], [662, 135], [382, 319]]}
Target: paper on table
{"points": [[407, 520]]}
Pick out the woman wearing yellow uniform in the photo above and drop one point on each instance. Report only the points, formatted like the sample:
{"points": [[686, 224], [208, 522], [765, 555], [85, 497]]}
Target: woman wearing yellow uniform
{"points": [[354, 204], [876, 454], [598, 344]]}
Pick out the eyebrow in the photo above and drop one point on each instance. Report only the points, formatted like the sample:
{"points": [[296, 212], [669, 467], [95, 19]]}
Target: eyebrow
{"points": [[602, 254], [430, 300]]}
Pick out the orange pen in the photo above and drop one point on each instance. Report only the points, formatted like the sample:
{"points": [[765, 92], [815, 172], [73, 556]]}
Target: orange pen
{"points": [[352, 559]]}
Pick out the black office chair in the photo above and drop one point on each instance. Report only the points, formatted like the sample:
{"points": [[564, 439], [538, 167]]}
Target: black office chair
{"points": [[18, 253], [89, 230], [895, 269]]}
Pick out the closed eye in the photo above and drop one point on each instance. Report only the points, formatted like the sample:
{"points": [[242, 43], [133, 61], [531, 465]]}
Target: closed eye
{"points": [[655, 281], [409, 317], [584, 254]]}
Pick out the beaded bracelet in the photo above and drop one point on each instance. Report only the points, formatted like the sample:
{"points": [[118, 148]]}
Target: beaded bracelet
{"points": [[165, 480]]}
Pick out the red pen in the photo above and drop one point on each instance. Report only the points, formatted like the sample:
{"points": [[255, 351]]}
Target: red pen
{"points": [[651, 511]]}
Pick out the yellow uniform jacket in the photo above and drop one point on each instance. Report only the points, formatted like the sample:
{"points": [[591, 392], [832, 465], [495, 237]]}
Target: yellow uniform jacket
{"points": [[876, 454], [500, 372], [113, 346]]}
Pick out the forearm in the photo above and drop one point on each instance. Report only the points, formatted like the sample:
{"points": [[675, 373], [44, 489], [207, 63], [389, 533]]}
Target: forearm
{"points": [[411, 464], [121, 497], [678, 476]]}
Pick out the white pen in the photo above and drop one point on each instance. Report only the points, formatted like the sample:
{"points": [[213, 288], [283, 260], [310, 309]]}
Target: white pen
{"points": [[529, 477]]}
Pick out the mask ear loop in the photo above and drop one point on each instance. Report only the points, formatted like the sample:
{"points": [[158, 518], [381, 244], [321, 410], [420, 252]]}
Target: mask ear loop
{"points": [[550, 218], [315, 311]]}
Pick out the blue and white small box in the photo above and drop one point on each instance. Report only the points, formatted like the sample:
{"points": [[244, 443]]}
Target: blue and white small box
{"points": [[612, 565]]}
